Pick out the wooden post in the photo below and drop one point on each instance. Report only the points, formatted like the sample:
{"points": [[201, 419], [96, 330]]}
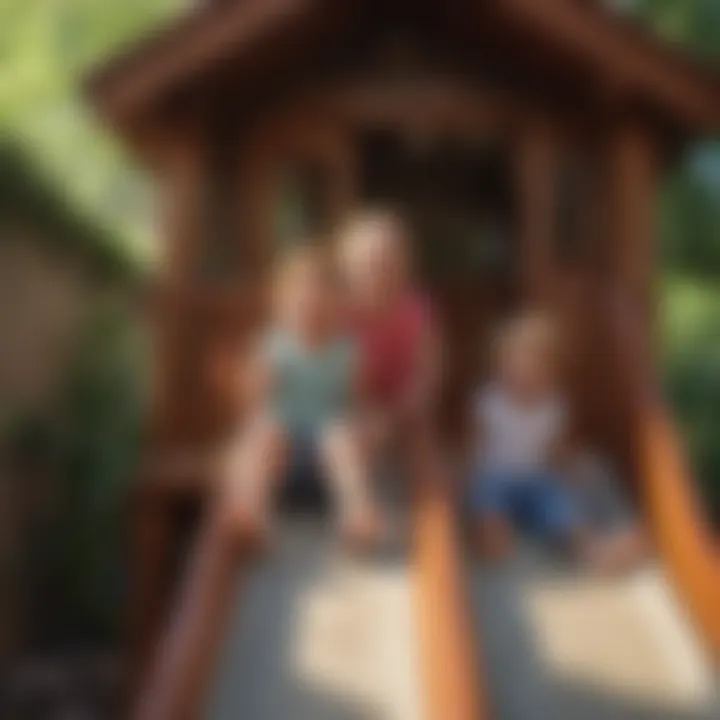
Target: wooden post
{"points": [[151, 526], [181, 206], [536, 163], [149, 561], [180, 220], [632, 177]]}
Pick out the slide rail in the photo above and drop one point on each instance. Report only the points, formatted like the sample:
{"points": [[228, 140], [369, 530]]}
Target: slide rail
{"points": [[184, 656], [449, 662], [686, 542]]}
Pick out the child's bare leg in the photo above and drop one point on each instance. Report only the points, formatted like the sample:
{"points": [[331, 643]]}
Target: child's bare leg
{"points": [[254, 465], [620, 551], [342, 454], [492, 501]]}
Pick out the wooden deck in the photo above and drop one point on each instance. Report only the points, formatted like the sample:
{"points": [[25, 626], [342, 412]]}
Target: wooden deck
{"points": [[319, 635], [563, 645]]}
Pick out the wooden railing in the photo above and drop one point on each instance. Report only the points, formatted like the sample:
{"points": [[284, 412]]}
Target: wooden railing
{"points": [[450, 672], [686, 542], [180, 670]]}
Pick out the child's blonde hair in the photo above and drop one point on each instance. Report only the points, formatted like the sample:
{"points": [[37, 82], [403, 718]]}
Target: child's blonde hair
{"points": [[361, 221], [533, 331]]}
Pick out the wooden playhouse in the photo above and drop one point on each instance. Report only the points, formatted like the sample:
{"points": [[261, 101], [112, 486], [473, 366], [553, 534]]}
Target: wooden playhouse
{"points": [[523, 141]]}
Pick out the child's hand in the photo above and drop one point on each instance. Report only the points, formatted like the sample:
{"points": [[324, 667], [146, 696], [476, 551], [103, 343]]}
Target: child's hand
{"points": [[255, 379], [378, 428]]}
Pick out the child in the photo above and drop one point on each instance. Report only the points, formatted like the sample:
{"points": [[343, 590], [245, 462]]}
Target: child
{"points": [[394, 326], [521, 427], [302, 382]]}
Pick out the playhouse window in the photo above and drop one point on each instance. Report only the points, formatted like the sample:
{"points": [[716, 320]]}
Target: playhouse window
{"points": [[300, 212], [455, 194]]}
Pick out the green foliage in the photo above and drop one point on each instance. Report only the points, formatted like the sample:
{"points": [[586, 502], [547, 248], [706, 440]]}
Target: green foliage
{"points": [[89, 444], [692, 23], [692, 373], [29, 202], [689, 225], [689, 215], [45, 47], [100, 437]]}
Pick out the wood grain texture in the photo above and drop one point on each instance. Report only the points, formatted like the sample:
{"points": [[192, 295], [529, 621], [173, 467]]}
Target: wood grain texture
{"points": [[614, 49], [193, 42], [184, 659]]}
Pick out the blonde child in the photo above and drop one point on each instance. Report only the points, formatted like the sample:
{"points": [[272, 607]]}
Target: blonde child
{"points": [[302, 387], [393, 324], [521, 427]]}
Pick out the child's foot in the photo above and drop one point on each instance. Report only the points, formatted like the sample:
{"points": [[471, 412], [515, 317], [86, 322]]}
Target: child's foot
{"points": [[617, 555], [363, 529], [250, 531]]}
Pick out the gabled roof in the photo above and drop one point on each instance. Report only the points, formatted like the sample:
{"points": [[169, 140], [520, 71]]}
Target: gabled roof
{"points": [[630, 57], [185, 48], [618, 52]]}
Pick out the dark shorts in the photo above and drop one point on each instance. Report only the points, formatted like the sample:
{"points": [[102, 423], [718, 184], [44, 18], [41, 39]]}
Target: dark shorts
{"points": [[303, 484], [533, 501]]}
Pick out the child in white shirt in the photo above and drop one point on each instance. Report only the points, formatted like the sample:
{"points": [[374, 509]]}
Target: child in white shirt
{"points": [[521, 427]]}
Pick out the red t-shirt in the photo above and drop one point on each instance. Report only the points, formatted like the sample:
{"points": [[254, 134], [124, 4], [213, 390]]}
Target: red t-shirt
{"points": [[389, 343]]}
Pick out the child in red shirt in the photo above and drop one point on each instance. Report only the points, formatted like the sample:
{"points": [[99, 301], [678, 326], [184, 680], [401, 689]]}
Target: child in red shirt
{"points": [[394, 325]]}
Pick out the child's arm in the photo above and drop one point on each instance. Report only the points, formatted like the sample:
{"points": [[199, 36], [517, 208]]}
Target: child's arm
{"points": [[255, 378], [423, 385], [375, 426], [253, 382]]}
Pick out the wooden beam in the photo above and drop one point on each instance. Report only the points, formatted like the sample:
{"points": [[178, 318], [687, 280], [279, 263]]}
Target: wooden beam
{"points": [[181, 197], [179, 229], [616, 49], [632, 156], [193, 43], [440, 101], [535, 173], [184, 657]]}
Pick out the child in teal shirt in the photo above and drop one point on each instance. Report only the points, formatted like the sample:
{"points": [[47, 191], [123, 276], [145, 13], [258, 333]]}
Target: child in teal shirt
{"points": [[303, 405]]}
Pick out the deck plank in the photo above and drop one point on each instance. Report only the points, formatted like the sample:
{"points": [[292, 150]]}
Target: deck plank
{"points": [[319, 635], [562, 645]]}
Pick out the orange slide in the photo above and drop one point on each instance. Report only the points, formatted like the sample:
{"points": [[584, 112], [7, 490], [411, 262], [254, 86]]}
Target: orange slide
{"points": [[687, 545]]}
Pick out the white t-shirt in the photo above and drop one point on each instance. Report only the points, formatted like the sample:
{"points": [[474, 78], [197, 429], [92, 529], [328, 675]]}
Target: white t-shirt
{"points": [[517, 438]]}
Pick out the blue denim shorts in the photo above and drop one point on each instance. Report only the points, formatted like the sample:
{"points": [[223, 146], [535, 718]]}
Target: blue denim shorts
{"points": [[533, 501]]}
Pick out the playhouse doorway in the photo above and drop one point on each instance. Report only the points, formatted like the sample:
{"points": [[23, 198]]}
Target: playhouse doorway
{"points": [[457, 198]]}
